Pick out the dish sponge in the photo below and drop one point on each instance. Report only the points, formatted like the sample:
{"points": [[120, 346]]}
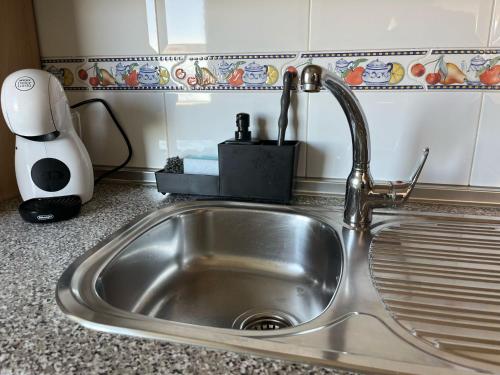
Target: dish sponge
{"points": [[204, 165]]}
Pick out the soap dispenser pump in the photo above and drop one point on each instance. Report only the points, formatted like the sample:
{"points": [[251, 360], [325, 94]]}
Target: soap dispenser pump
{"points": [[242, 135]]}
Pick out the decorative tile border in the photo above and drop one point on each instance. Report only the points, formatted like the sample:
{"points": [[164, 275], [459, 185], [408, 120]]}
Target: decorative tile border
{"points": [[371, 70], [454, 69], [370, 53], [419, 69], [128, 73], [465, 51]]}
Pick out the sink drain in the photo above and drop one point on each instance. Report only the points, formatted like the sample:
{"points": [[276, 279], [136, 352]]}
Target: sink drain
{"points": [[268, 320]]}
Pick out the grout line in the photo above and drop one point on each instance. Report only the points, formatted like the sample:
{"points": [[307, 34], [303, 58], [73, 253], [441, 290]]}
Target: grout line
{"points": [[152, 25], [492, 21], [167, 136], [159, 50], [476, 136], [309, 26]]}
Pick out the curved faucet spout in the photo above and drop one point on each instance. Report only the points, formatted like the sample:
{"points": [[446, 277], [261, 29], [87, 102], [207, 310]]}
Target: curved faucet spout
{"points": [[362, 195], [360, 135], [313, 77]]}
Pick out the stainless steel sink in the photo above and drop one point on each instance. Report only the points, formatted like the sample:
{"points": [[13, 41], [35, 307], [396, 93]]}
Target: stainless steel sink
{"points": [[228, 268], [291, 282]]}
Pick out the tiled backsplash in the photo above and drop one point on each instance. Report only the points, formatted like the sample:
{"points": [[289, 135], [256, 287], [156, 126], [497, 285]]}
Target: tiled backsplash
{"points": [[199, 62]]}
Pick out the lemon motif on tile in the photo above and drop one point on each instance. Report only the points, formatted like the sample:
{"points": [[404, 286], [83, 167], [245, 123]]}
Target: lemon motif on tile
{"points": [[397, 73], [164, 75], [272, 75], [68, 77]]}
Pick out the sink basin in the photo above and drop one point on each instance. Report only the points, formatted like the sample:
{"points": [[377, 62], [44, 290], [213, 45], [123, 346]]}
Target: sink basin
{"points": [[227, 267], [295, 283]]}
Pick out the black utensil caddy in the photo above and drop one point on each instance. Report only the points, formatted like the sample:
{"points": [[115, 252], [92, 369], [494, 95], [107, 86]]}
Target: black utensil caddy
{"points": [[262, 172]]}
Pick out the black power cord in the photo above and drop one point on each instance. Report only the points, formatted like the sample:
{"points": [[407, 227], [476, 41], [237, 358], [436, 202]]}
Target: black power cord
{"points": [[120, 129]]}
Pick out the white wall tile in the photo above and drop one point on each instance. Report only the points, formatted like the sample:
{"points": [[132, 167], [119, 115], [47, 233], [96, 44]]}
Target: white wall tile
{"points": [[195, 26], [96, 27], [368, 24], [401, 125], [142, 116], [486, 166], [197, 122], [495, 26]]}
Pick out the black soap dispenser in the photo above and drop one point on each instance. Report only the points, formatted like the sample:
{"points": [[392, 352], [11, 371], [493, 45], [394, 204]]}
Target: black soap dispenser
{"points": [[242, 136]]}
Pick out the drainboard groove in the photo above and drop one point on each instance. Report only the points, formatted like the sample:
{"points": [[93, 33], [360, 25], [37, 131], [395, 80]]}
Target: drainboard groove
{"points": [[449, 322], [477, 340], [386, 255], [445, 275], [492, 272], [417, 305], [441, 281], [400, 239], [436, 283], [455, 230], [446, 344], [467, 291], [446, 295], [391, 243], [440, 314], [437, 254], [438, 272], [488, 226], [441, 234]]}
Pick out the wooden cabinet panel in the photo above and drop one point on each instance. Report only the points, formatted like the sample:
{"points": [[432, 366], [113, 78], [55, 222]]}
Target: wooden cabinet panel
{"points": [[18, 50]]}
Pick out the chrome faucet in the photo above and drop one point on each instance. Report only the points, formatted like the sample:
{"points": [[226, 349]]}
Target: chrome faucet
{"points": [[362, 193]]}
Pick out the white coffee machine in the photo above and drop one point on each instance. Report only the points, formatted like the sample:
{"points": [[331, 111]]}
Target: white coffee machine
{"points": [[53, 168]]}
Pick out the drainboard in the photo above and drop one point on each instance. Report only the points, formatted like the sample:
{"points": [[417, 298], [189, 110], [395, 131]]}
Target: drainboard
{"points": [[441, 282]]}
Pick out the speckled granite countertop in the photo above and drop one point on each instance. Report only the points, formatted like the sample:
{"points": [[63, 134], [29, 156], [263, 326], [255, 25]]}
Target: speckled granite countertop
{"points": [[36, 338]]}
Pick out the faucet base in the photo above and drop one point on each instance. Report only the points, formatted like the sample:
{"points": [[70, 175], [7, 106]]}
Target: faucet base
{"points": [[357, 211]]}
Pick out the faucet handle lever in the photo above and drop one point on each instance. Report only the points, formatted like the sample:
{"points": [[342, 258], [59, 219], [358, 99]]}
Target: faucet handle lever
{"points": [[421, 164], [401, 190]]}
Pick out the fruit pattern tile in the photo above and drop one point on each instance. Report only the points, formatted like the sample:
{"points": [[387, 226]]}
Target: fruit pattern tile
{"points": [[476, 69], [371, 70], [439, 69]]}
